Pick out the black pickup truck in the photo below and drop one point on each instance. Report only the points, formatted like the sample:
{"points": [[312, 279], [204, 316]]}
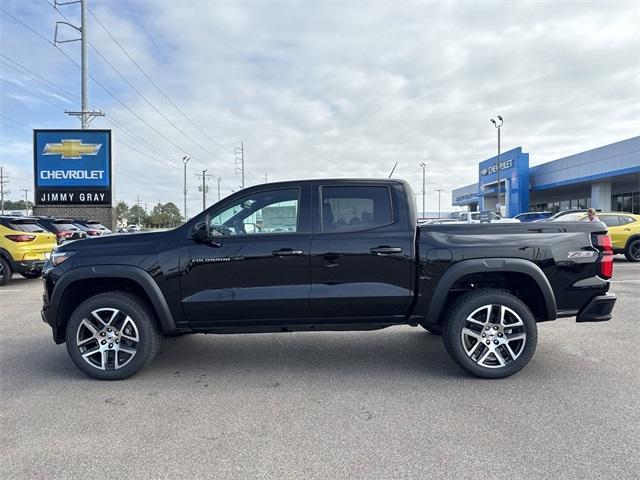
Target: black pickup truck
{"points": [[326, 255]]}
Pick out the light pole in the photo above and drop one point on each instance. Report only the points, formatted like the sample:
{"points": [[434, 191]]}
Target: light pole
{"points": [[219, 180], [439, 190], [424, 177], [185, 160], [497, 124]]}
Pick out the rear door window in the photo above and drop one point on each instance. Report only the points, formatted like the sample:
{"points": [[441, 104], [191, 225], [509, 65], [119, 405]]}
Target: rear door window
{"points": [[349, 208], [610, 220]]}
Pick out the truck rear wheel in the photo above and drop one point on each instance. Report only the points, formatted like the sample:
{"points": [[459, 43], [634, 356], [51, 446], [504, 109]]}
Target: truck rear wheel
{"points": [[490, 333], [112, 335]]}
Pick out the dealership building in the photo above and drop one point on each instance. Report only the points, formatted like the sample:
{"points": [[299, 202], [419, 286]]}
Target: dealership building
{"points": [[606, 178]]}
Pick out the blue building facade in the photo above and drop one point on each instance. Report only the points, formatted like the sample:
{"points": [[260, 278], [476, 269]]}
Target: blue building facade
{"points": [[607, 178]]}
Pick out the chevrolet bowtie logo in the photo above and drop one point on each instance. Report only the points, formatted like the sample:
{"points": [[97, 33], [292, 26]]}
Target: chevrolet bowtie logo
{"points": [[71, 149]]}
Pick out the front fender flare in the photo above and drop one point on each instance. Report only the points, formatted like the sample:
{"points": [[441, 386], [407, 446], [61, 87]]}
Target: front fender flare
{"points": [[129, 272], [491, 265]]}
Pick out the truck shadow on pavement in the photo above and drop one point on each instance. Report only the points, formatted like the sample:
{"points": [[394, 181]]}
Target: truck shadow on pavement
{"points": [[401, 352], [392, 351]]}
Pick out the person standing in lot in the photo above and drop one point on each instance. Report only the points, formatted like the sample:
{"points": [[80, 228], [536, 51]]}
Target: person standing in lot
{"points": [[591, 215]]}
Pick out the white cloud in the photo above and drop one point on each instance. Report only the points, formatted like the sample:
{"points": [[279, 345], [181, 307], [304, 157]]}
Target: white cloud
{"points": [[328, 89]]}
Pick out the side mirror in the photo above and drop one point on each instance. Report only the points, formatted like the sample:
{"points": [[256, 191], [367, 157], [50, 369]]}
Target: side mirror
{"points": [[201, 232]]}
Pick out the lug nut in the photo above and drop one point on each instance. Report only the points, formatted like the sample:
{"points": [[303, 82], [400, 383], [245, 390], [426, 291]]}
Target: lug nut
{"points": [[484, 335], [488, 327], [495, 328], [488, 342], [111, 345], [499, 334], [117, 341], [102, 334], [103, 342], [108, 329], [496, 342]]}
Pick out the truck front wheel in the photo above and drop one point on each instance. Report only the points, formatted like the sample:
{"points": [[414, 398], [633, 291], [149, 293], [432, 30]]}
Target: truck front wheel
{"points": [[490, 333], [112, 335]]}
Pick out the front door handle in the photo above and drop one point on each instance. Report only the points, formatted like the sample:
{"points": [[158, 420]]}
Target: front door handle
{"points": [[287, 252], [385, 250]]}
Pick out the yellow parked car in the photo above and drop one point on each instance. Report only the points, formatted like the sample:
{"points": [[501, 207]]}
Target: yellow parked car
{"points": [[624, 230], [24, 247]]}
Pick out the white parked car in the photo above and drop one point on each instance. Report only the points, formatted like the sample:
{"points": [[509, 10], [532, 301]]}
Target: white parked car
{"points": [[474, 217]]}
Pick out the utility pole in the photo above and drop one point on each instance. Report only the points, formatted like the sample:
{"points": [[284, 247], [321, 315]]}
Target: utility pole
{"points": [[204, 187], [424, 184], [439, 190], [240, 161], [265, 179], [185, 160], [86, 115], [219, 180], [26, 199], [138, 203], [3, 181], [498, 125]]}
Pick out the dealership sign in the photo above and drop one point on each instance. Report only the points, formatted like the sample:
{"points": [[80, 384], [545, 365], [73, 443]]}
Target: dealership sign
{"points": [[507, 164], [72, 167]]}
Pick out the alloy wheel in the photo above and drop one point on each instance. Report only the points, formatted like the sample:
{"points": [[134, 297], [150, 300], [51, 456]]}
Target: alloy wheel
{"points": [[634, 249], [107, 339], [493, 336]]}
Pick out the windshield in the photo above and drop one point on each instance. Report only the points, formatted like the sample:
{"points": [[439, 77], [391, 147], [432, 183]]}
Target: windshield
{"points": [[65, 226]]}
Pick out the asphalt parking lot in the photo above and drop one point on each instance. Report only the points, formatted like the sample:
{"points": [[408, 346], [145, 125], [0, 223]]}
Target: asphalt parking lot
{"points": [[385, 404]]}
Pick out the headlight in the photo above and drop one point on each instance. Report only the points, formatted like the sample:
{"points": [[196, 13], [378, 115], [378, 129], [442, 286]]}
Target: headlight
{"points": [[58, 257]]}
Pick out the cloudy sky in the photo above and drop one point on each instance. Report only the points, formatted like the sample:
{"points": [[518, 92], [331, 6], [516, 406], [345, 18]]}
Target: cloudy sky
{"points": [[321, 89]]}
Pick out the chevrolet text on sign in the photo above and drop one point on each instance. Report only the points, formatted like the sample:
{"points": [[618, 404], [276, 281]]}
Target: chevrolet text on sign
{"points": [[72, 167]]}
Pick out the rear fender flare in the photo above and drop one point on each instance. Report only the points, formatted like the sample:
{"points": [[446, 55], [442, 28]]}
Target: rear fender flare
{"points": [[491, 265]]}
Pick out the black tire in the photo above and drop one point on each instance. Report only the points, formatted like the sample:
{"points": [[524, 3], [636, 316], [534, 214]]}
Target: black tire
{"points": [[433, 329], [35, 274], [144, 329], [506, 338], [632, 252], [5, 272]]}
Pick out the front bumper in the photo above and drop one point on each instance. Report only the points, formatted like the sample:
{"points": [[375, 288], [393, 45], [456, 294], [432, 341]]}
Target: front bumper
{"points": [[598, 309]]}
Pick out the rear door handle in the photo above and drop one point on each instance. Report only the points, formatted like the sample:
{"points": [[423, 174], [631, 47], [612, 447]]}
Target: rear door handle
{"points": [[287, 252], [385, 250]]}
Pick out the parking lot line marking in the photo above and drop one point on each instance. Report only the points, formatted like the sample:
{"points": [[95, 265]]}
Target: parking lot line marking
{"points": [[3, 290], [624, 281]]}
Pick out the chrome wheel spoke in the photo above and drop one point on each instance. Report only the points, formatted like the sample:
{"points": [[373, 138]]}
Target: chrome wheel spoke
{"points": [[499, 357], [471, 333], [516, 336], [511, 352], [484, 356], [130, 351], [132, 328], [474, 348]]}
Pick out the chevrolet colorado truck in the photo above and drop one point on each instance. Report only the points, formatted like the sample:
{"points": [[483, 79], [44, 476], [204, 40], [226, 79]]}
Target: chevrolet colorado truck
{"points": [[316, 255]]}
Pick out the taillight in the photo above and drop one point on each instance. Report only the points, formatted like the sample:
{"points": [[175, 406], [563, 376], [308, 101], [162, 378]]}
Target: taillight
{"points": [[605, 262], [93, 233], [64, 234], [21, 238]]}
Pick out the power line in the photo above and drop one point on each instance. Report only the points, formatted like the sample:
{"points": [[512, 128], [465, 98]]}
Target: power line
{"points": [[37, 78], [153, 82], [178, 77], [105, 89]]}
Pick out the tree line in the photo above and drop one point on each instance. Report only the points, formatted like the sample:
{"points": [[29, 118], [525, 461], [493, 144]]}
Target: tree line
{"points": [[163, 215]]}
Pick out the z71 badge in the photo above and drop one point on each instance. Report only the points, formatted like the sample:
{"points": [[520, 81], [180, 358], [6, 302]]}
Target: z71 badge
{"points": [[581, 254]]}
